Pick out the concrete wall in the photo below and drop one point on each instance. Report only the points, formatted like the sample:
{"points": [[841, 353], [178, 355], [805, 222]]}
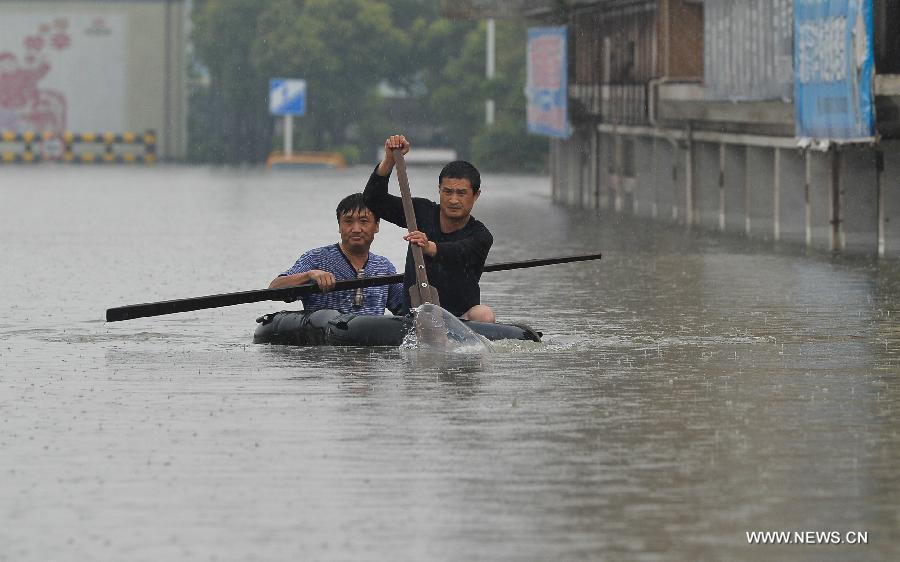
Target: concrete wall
{"points": [[645, 195], [760, 166], [664, 156], [890, 198], [820, 198], [153, 91], [706, 185], [859, 198], [791, 196], [835, 200], [735, 184]]}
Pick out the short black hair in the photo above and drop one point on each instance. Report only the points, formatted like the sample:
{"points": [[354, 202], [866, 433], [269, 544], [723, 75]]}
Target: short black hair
{"points": [[462, 170], [353, 203]]}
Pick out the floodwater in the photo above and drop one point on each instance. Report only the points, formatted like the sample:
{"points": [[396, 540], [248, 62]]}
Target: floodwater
{"points": [[691, 387]]}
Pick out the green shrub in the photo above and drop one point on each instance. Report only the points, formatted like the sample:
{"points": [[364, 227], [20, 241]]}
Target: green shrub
{"points": [[509, 148]]}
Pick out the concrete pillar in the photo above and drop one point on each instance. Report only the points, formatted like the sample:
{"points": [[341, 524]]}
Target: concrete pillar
{"points": [[819, 179], [585, 150], [734, 176], [603, 170], [721, 182], [776, 194], [835, 213], [575, 175], [879, 186], [664, 170], [644, 195], [792, 208], [689, 169], [617, 187], [807, 174], [653, 185], [593, 162], [760, 209], [706, 185], [553, 165], [890, 197], [858, 178], [680, 181]]}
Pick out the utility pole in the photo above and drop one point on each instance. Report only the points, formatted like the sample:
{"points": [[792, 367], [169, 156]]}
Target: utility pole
{"points": [[489, 71]]}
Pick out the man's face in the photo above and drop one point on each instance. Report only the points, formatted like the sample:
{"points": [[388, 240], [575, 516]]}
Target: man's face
{"points": [[457, 198], [358, 229]]}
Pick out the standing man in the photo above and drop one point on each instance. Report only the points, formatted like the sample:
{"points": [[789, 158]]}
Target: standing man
{"points": [[348, 259], [454, 244]]}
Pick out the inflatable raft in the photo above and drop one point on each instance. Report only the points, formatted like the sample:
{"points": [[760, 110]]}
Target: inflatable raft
{"points": [[330, 327]]}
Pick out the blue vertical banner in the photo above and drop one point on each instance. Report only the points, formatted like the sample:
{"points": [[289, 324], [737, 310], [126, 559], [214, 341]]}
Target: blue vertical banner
{"points": [[546, 83], [833, 69]]}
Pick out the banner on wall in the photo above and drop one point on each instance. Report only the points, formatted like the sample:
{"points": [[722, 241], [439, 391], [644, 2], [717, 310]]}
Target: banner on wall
{"points": [[545, 88], [62, 72], [833, 69]]}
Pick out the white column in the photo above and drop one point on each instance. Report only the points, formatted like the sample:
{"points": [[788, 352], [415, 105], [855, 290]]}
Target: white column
{"points": [[879, 182], [722, 149], [807, 189], [776, 196]]}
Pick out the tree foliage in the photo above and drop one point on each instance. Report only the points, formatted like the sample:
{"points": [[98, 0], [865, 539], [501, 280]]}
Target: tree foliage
{"points": [[223, 34], [345, 49]]}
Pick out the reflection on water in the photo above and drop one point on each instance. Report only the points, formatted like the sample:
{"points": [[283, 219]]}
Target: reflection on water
{"points": [[689, 387]]}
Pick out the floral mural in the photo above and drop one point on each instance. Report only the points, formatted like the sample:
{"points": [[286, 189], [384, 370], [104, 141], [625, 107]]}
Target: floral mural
{"points": [[24, 104]]}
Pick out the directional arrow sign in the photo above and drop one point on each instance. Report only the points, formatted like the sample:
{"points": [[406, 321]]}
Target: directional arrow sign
{"points": [[287, 96]]}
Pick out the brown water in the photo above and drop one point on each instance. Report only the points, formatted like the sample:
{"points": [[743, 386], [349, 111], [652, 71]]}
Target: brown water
{"points": [[690, 388]]}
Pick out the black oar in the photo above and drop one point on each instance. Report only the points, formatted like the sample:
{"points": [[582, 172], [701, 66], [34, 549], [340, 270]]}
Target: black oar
{"points": [[422, 291], [293, 293]]}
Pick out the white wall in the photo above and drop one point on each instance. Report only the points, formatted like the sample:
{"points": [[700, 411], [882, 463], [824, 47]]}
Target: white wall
{"points": [[95, 66]]}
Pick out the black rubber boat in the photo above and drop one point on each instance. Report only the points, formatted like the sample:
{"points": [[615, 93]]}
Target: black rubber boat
{"points": [[330, 327]]}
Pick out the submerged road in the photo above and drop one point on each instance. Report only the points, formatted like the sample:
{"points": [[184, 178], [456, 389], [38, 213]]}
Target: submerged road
{"points": [[691, 388]]}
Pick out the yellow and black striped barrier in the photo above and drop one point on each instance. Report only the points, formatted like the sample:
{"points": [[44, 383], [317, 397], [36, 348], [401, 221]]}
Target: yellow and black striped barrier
{"points": [[77, 148]]}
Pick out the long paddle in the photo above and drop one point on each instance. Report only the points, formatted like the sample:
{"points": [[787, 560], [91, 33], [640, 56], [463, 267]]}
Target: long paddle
{"points": [[422, 291], [289, 294]]}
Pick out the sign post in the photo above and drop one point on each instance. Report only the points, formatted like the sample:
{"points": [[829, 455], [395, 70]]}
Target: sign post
{"points": [[287, 97]]}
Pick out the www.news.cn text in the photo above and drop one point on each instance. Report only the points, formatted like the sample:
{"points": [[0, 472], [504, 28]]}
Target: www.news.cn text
{"points": [[807, 537]]}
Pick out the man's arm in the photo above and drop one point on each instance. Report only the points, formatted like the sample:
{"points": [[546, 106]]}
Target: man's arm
{"points": [[379, 201], [323, 279], [395, 302], [304, 270], [386, 206]]}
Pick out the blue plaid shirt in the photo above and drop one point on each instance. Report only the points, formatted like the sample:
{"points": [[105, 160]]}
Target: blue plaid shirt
{"points": [[375, 299]]}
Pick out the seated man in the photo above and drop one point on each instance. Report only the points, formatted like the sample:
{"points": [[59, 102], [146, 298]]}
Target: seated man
{"points": [[454, 244], [348, 259]]}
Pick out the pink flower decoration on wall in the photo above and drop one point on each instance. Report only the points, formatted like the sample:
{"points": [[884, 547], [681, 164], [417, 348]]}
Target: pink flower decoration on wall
{"points": [[24, 105], [34, 42], [60, 41]]}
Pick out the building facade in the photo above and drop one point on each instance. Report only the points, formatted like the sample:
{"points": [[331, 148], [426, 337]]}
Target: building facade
{"points": [[95, 67], [704, 113]]}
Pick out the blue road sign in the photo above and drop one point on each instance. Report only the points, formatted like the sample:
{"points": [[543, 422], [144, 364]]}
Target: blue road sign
{"points": [[287, 96]]}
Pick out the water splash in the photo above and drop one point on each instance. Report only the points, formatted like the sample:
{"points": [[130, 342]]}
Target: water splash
{"points": [[438, 330]]}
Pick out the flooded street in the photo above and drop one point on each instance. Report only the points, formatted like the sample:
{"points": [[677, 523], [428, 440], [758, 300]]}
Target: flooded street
{"points": [[691, 388]]}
